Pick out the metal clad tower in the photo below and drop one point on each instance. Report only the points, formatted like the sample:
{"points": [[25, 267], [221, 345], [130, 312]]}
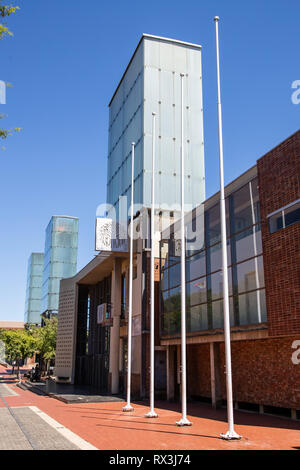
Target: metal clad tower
{"points": [[151, 83], [34, 288], [60, 259]]}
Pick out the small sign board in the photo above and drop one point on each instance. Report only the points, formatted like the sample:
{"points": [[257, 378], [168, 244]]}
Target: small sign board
{"points": [[101, 313], [103, 234], [110, 236]]}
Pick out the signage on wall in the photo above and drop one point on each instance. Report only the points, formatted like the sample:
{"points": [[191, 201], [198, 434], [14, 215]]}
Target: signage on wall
{"points": [[101, 313], [110, 236]]}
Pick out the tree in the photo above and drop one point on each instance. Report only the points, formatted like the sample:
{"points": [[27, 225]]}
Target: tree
{"points": [[19, 345], [6, 10], [46, 340]]}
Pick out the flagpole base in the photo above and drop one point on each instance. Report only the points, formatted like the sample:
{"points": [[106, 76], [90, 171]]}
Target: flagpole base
{"points": [[183, 422], [151, 414], [127, 408], [231, 436]]}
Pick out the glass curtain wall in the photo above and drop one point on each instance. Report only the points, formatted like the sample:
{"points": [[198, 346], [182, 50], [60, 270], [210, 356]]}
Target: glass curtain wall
{"points": [[60, 258], [204, 282]]}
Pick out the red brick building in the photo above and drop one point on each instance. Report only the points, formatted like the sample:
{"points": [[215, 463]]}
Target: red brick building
{"points": [[265, 313]]}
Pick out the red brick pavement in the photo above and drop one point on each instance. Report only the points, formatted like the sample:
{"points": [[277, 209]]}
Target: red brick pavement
{"points": [[105, 425]]}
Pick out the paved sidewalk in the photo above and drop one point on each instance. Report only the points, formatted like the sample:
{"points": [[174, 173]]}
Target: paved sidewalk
{"points": [[105, 426], [26, 427]]}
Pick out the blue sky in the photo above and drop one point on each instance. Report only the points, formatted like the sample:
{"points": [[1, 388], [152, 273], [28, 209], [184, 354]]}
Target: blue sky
{"points": [[65, 60]]}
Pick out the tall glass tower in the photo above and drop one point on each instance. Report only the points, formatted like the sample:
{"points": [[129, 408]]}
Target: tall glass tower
{"points": [[152, 83], [34, 288], [60, 261]]}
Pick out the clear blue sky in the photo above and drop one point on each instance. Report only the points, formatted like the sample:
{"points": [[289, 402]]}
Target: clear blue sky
{"points": [[65, 60]]}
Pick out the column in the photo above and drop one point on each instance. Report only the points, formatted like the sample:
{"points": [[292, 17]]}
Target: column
{"points": [[114, 353]]}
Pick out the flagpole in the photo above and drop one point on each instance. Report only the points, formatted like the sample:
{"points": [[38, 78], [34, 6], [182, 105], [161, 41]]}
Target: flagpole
{"points": [[231, 434], [152, 413], [128, 407], [184, 421]]}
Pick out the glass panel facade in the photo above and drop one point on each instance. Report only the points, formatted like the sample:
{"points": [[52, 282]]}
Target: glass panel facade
{"points": [[197, 318], [60, 259], [152, 83], [34, 288], [204, 280]]}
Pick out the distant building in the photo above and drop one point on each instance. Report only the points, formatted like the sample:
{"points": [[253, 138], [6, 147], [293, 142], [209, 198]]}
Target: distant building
{"points": [[34, 288], [60, 261], [11, 325]]}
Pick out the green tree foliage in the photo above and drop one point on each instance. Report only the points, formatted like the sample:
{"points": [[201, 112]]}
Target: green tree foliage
{"points": [[46, 339], [19, 345], [6, 10]]}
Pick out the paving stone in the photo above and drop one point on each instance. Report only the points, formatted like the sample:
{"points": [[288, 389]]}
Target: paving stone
{"points": [[11, 436], [6, 391], [40, 434]]}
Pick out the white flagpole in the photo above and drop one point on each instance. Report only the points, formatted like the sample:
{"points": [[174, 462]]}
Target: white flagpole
{"points": [[152, 413], [128, 407], [184, 421], [231, 434]]}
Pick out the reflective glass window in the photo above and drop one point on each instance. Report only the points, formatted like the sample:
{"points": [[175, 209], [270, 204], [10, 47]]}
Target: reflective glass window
{"points": [[252, 306], [213, 224], [216, 283], [292, 215], [242, 211], [197, 318], [214, 257], [196, 292], [276, 222], [196, 266], [172, 300]]}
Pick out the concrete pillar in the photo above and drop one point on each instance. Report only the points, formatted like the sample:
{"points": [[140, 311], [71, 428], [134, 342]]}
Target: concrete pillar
{"points": [[114, 353], [215, 378], [170, 373]]}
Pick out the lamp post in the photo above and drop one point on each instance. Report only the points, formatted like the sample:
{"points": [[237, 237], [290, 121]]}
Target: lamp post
{"points": [[231, 434], [128, 406], [152, 413], [183, 421]]}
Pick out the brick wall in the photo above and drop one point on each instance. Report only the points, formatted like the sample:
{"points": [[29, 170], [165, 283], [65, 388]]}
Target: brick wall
{"points": [[279, 185], [262, 372], [198, 370]]}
